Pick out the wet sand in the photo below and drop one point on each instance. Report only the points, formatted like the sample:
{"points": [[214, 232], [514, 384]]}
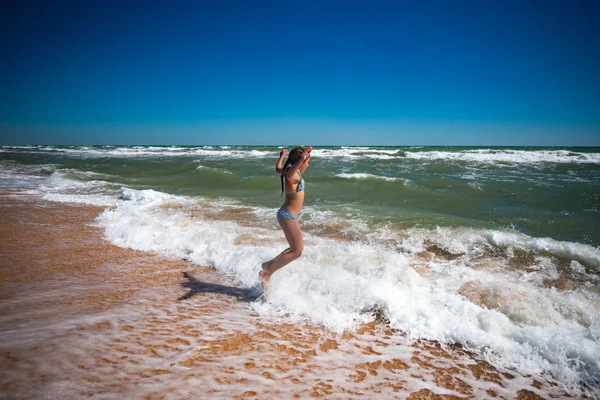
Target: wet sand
{"points": [[80, 317]]}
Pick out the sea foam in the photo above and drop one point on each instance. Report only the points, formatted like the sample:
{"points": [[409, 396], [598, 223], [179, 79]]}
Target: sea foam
{"points": [[486, 156], [510, 322], [368, 176], [59, 187], [509, 156]]}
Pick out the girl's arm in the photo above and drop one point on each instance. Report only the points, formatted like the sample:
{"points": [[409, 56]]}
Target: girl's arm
{"points": [[278, 167], [291, 173]]}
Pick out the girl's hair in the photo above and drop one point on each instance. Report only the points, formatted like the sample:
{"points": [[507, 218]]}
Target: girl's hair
{"points": [[293, 157]]}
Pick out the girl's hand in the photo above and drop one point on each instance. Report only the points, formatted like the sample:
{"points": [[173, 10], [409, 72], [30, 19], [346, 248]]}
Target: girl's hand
{"points": [[306, 152], [283, 153]]}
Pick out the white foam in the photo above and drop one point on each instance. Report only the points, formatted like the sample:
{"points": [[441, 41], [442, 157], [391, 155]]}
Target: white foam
{"points": [[475, 242], [494, 156], [368, 176], [55, 185], [21, 177], [212, 169], [508, 156], [475, 185], [58, 187], [219, 152], [577, 251], [358, 153], [334, 283]]}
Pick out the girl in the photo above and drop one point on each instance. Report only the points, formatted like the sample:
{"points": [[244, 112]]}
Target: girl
{"points": [[293, 185]]}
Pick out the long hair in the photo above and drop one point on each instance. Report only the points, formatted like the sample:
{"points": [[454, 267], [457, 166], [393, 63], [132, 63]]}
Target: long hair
{"points": [[292, 159]]}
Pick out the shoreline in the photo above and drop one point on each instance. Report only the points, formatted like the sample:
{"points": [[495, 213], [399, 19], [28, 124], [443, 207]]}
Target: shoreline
{"points": [[82, 317]]}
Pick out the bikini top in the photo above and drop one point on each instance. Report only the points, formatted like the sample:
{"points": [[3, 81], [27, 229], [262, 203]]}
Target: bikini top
{"points": [[300, 186]]}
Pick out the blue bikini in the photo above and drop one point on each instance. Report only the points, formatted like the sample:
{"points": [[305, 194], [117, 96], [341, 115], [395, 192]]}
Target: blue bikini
{"points": [[300, 186], [282, 214]]}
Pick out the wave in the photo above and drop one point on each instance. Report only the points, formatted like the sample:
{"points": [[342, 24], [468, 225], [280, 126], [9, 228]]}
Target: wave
{"points": [[493, 156], [474, 243], [450, 285], [356, 153], [213, 169], [509, 156], [483, 155], [369, 176], [145, 151], [15, 176], [60, 187]]}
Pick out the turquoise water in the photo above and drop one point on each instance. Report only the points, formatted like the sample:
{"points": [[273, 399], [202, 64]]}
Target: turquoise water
{"points": [[541, 192]]}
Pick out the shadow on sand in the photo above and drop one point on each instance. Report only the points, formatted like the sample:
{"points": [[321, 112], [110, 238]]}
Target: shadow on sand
{"points": [[195, 286]]}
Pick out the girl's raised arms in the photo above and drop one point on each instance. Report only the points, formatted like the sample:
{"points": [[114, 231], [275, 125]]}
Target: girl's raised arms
{"points": [[278, 167]]}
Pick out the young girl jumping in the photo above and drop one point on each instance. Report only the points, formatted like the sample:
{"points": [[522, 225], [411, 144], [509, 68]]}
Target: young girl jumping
{"points": [[293, 185]]}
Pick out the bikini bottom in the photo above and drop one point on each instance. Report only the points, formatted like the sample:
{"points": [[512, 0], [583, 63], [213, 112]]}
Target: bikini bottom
{"points": [[282, 214]]}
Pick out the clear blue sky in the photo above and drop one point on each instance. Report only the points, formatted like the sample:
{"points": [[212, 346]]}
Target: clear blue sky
{"points": [[300, 72]]}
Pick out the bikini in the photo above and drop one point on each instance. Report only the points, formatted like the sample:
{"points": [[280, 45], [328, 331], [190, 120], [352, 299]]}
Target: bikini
{"points": [[282, 214]]}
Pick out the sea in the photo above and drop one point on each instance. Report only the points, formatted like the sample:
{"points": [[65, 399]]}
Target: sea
{"points": [[496, 249]]}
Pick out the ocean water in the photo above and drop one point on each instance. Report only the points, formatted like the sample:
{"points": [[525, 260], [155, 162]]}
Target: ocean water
{"points": [[496, 249]]}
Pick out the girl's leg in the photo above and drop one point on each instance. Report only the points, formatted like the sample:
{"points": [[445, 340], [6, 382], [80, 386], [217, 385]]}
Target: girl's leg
{"points": [[293, 234]]}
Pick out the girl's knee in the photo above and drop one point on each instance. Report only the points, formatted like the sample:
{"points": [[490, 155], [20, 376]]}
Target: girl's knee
{"points": [[297, 252]]}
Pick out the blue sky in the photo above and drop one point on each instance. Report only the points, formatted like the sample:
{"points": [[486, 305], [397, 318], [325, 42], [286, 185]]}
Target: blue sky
{"points": [[300, 72]]}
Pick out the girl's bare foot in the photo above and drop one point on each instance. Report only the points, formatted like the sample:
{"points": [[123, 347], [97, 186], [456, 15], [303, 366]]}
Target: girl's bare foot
{"points": [[265, 276]]}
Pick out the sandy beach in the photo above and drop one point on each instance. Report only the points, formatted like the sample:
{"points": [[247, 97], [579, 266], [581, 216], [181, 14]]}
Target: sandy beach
{"points": [[80, 317]]}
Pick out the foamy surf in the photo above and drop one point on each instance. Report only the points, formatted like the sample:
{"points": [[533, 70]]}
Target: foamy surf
{"points": [[462, 294], [92, 190], [508, 156], [482, 155], [110, 330], [369, 176]]}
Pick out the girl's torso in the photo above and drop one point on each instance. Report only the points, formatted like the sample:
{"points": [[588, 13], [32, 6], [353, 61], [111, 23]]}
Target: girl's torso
{"points": [[294, 194]]}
